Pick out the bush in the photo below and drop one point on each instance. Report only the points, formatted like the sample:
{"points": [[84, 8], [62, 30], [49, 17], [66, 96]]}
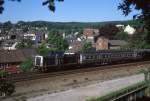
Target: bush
{"points": [[26, 65], [42, 49], [86, 46], [6, 87], [3, 74], [122, 36]]}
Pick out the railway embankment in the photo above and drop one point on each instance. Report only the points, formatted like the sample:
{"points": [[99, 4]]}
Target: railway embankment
{"points": [[49, 85], [93, 90]]}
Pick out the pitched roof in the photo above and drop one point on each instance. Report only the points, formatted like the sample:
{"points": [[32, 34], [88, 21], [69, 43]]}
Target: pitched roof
{"points": [[13, 56], [28, 52], [89, 32], [117, 42], [76, 46]]}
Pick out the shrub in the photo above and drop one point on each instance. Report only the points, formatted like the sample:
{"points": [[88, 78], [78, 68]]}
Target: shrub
{"points": [[7, 88], [3, 74], [27, 65]]}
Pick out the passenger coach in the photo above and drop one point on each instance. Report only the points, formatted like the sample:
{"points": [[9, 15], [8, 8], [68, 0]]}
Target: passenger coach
{"points": [[64, 61]]}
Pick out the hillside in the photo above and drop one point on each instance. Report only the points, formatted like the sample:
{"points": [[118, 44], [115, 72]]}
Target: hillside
{"points": [[69, 25]]}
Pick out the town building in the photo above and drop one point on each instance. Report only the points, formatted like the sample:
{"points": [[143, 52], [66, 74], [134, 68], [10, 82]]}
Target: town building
{"points": [[103, 43], [89, 33], [130, 30], [75, 47], [116, 44], [10, 60]]}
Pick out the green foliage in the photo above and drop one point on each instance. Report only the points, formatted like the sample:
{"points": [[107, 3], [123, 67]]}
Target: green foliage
{"points": [[27, 65], [57, 40], [138, 41], [25, 44], [80, 33], [115, 94], [3, 74], [20, 45], [42, 49], [109, 31], [6, 87], [50, 3], [122, 36], [144, 11], [86, 46]]}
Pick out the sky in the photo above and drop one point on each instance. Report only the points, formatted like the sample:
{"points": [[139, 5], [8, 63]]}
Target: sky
{"points": [[67, 11]]}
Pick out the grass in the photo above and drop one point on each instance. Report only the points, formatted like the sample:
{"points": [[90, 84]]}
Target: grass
{"points": [[118, 93]]}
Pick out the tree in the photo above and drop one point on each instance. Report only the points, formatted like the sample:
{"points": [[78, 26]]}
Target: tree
{"points": [[138, 41], [143, 6], [54, 38], [42, 49], [7, 88], [3, 74], [86, 46], [122, 35], [50, 3], [109, 30], [27, 65], [26, 43], [80, 33]]}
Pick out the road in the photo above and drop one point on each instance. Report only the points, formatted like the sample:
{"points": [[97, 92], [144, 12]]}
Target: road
{"points": [[94, 90]]}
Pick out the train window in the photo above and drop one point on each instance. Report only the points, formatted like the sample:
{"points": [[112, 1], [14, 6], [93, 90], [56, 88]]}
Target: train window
{"points": [[38, 61], [100, 56], [103, 55], [87, 57], [111, 55], [108, 55]]}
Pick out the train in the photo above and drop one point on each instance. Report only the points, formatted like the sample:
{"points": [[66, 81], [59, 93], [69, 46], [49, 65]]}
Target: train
{"points": [[65, 61]]}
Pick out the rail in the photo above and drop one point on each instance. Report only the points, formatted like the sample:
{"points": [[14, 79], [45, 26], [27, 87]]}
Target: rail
{"points": [[33, 76]]}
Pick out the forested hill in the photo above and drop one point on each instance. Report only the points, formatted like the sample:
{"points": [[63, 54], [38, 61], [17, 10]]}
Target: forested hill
{"points": [[69, 25]]}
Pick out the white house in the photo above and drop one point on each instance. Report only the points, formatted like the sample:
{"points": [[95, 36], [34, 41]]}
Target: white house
{"points": [[29, 36], [10, 47], [130, 30], [120, 26]]}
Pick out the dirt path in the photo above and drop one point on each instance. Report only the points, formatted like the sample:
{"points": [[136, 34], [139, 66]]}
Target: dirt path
{"points": [[90, 91], [50, 85]]}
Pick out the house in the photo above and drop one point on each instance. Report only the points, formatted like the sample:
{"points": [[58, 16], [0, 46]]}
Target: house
{"points": [[9, 45], [89, 33], [71, 38], [130, 30], [116, 44], [29, 36], [103, 43], [75, 47], [120, 26], [11, 59]]}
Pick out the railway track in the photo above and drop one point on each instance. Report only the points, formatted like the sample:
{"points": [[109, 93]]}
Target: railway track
{"points": [[37, 75]]}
